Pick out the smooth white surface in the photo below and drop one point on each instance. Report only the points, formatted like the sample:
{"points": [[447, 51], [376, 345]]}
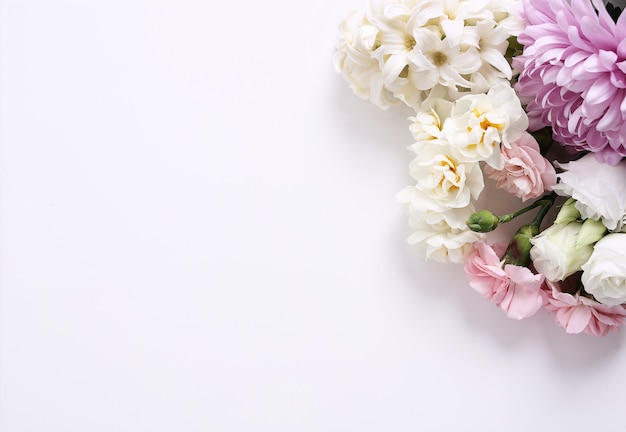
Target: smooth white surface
{"points": [[199, 232]]}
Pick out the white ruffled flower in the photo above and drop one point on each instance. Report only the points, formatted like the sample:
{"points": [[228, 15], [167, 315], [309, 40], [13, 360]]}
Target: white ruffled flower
{"points": [[599, 190], [480, 124], [445, 181], [427, 125], [557, 254], [441, 243], [440, 236], [604, 274]]}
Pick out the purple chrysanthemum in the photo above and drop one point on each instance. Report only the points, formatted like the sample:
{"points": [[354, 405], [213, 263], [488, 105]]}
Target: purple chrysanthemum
{"points": [[573, 74]]}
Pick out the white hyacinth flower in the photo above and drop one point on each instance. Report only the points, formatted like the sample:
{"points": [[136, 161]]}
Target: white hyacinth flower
{"points": [[354, 59], [400, 50]]}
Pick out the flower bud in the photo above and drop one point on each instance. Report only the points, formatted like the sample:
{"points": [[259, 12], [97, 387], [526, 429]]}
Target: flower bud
{"points": [[591, 231], [568, 213], [483, 221], [518, 251], [554, 253]]}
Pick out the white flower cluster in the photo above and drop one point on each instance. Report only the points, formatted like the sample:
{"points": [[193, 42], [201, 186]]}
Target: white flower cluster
{"points": [[447, 60], [589, 235], [403, 51], [450, 61], [452, 139]]}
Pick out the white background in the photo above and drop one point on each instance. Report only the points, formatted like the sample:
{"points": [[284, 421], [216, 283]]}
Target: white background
{"points": [[199, 232]]}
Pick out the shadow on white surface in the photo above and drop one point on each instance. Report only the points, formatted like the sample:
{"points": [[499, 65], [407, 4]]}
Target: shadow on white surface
{"points": [[200, 232]]}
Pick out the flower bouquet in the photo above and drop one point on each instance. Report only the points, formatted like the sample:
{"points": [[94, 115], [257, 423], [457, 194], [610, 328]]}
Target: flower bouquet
{"points": [[530, 94]]}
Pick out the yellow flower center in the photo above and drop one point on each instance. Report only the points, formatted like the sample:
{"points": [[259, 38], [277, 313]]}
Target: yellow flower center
{"points": [[449, 178], [486, 123], [439, 58]]}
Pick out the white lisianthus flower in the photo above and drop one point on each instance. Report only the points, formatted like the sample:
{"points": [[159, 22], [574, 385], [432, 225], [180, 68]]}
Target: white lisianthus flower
{"points": [[480, 124], [604, 274], [445, 181], [355, 60], [440, 236], [556, 253], [599, 190]]}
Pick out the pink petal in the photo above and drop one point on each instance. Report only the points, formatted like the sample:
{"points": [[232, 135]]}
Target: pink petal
{"points": [[600, 91], [578, 320]]}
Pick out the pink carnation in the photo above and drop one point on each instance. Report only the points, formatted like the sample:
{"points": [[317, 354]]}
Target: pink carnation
{"points": [[578, 314], [515, 289], [526, 174], [573, 74]]}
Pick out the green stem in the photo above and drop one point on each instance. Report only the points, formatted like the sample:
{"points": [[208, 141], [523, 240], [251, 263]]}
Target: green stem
{"points": [[545, 203], [485, 221], [518, 251], [545, 207]]}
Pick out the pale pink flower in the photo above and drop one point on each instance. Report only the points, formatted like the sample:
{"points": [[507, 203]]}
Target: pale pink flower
{"points": [[573, 74], [515, 289], [579, 314], [526, 174]]}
